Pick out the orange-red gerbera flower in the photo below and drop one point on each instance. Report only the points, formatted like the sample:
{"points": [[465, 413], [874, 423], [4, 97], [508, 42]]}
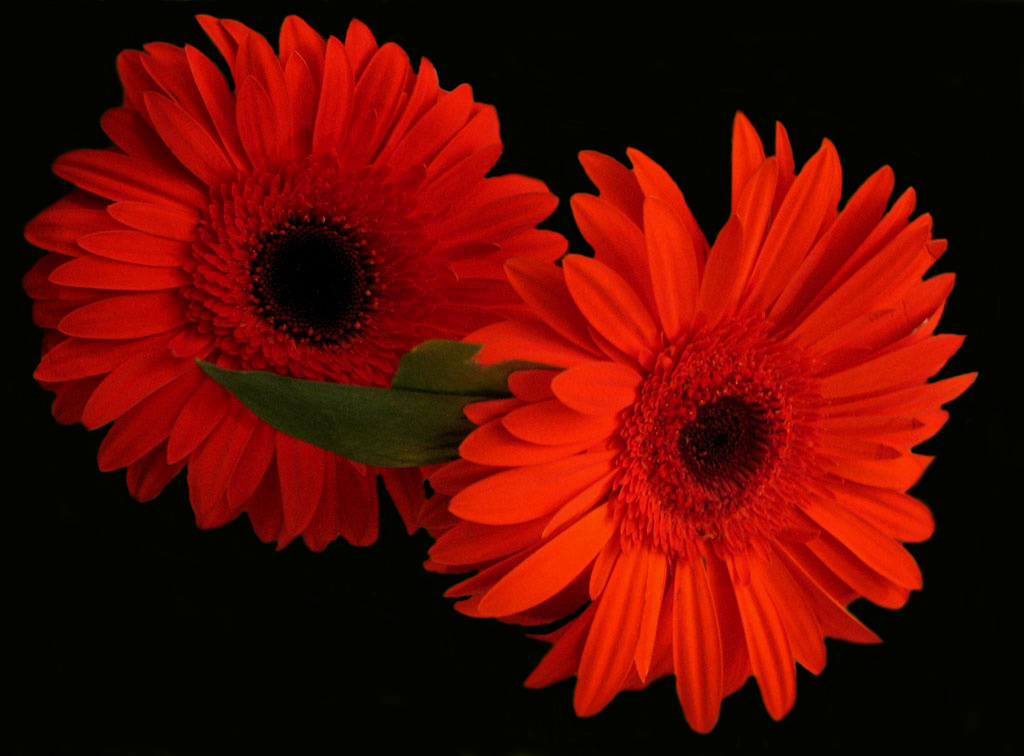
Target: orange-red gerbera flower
{"points": [[718, 464], [318, 220]]}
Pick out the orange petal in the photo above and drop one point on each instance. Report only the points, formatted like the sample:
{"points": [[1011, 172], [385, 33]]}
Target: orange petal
{"points": [[597, 388], [526, 340], [858, 218], [542, 287], [813, 196], [607, 657], [654, 597], [580, 503], [747, 155], [877, 550], [802, 628], [531, 385], [615, 182], [673, 265], [617, 241], [696, 645], [526, 493], [551, 568], [897, 514], [768, 645], [552, 423], [729, 261], [655, 182], [610, 305], [909, 365], [852, 571]]}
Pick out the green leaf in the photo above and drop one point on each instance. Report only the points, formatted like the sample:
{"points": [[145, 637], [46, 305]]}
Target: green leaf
{"points": [[446, 367], [419, 421]]}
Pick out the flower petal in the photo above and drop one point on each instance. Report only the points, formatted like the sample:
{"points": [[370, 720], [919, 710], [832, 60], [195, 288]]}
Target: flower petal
{"points": [[610, 305], [552, 567]]}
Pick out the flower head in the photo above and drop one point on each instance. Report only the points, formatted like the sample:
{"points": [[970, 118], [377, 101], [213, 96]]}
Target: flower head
{"points": [[317, 219], [718, 464]]}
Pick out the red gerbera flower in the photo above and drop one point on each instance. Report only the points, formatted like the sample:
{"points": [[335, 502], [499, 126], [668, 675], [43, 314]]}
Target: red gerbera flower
{"points": [[719, 463], [318, 220]]}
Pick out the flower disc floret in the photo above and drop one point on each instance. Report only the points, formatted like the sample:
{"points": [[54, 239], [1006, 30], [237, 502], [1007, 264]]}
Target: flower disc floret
{"points": [[717, 443]]}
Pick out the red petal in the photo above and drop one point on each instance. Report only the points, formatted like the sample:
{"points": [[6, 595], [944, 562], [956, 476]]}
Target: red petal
{"points": [[58, 227], [210, 468], [375, 102], [334, 110], [148, 476], [127, 316], [168, 221], [257, 126], [190, 142], [79, 358], [360, 44], [99, 273], [802, 628], [562, 660], [434, 130], [121, 177], [197, 419], [137, 247], [580, 503], [300, 469], [220, 104], [299, 37], [406, 489], [146, 425], [865, 288], [834, 619], [253, 465], [131, 382], [531, 385], [492, 444]]}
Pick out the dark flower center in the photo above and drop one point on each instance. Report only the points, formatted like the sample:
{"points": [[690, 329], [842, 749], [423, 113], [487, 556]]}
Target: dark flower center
{"points": [[310, 280], [716, 447], [727, 439]]}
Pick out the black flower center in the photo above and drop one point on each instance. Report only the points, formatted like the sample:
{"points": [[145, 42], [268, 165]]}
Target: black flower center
{"points": [[311, 280], [727, 439]]}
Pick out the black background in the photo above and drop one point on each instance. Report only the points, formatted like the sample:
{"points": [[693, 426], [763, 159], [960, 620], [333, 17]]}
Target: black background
{"points": [[136, 633]]}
